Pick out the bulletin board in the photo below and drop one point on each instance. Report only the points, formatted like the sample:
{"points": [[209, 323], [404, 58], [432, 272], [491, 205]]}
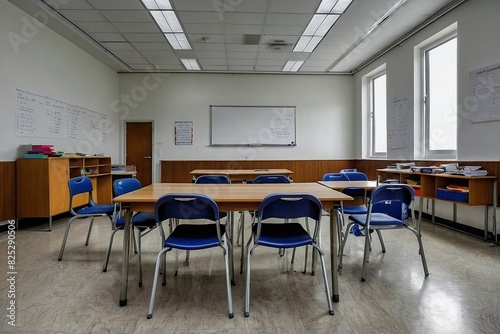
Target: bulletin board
{"points": [[38, 115], [252, 126]]}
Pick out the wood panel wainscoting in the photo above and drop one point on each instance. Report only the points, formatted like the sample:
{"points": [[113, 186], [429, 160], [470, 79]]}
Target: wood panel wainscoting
{"points": [[7, 190], [303, 170]]}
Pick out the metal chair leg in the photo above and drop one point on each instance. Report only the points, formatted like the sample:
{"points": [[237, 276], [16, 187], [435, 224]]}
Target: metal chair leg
{"points": [[106, 261], [90, 231], [66, 232]]}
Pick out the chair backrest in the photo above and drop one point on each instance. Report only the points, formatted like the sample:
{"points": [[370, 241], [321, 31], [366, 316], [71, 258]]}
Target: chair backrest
{"points": [[186, 206], [335, 177], [289, 206], [346, 170], [209, 179], [271, 179], [392, 199], [80, 185], [126, 185], [356, 176]]}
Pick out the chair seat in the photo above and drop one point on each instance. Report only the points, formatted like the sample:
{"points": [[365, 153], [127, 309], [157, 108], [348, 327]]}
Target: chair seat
{"points": [[377, 219], [354, 210], [288, 235], [194, 237], [104, 209], [141, 219]]}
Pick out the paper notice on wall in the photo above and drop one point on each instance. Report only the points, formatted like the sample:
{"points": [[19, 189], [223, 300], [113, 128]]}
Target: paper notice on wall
{"points": [[184, 133], [399, 123]]}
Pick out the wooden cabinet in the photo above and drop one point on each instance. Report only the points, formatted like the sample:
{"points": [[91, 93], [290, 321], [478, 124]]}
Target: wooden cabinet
{"points": [[42, 184]]}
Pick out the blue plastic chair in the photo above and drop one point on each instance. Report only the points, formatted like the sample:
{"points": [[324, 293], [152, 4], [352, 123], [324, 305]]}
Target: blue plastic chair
{"points": [[351, 191], [386, 212], [286, 235], [191, 236], [262, 179], [271, 179], [83, 185], [143, 222], [346, 170], [211, 179], [335, 177]]}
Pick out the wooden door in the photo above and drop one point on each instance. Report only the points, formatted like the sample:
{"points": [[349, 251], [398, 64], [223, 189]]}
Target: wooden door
{"points": [[139, 149]]}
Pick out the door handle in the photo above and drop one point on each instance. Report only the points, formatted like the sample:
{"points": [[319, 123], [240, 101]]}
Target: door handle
{"points": [[149, 157]]}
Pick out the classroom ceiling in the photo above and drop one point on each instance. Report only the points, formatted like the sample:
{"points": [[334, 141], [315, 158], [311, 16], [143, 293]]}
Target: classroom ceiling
{"points": [[235, 36]]}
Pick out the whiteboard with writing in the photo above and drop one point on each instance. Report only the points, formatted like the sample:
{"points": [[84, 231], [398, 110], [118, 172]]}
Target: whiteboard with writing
{"points": [[484, 99], [42, 116], [243, 125]]}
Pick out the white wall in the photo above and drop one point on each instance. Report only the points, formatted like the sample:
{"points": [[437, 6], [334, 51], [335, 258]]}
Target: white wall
{"points": [[324, 112], [478, 46], [36, 59]]}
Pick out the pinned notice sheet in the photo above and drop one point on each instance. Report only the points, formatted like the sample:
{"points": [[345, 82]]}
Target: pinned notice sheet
{"points": [[183, 132], [400, 123]]}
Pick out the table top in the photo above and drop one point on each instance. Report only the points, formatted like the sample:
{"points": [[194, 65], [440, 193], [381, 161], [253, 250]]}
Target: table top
{"points": [[339, 185], [229, 197]]}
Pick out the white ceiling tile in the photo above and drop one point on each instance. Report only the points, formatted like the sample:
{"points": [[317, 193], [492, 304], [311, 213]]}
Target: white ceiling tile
{"points": [[73, 4], [83, 15], [108, 37], [216, 29], [145, 38], [97, 26], [135, 27], [128, 16], [116, 4], [293, 6]]}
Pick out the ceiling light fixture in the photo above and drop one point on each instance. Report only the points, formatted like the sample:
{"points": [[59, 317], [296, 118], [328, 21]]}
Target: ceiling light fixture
{"points": [[190, 64], [292, 65], [326, 15], [169, 24]]}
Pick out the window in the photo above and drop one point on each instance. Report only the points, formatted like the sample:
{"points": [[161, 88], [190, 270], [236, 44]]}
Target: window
{"points": [[440, 98], [378, 115]]}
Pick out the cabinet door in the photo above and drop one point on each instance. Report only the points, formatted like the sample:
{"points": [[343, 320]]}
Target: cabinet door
{"points": [[58, 186]]}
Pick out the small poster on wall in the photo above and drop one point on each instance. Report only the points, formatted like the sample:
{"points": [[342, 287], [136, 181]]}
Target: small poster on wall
{"points": [[183, 132]]}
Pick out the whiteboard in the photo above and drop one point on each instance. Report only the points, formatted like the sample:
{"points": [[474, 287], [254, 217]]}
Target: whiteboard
{"points": [[252, 126], [484, 99], [43, 116]]}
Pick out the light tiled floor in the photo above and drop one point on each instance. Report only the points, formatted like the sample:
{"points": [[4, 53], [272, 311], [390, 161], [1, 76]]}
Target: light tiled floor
{"points": [[461, 294]]}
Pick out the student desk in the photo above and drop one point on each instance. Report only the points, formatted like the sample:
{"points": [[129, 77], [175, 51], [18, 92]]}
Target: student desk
{"points": [[229, 197], [240, 174]]}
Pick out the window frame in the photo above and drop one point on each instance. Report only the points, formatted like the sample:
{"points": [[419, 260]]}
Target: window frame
{"points": [[372, 78], [427, 152]]}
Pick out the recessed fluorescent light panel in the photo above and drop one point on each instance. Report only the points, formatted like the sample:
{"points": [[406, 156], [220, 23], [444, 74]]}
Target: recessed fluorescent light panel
{"points": [[190, 64], [292, 65], [327, 14], [157, 4], [169, 24]]}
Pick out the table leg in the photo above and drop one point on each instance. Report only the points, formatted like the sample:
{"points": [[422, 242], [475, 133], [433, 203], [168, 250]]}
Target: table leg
{"points": [[127, 236], [231, 238], [333, 255]]}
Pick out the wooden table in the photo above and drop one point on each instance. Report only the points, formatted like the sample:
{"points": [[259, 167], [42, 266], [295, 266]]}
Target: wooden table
{"points": [[241, 174], [339, 185], [229, 197]]}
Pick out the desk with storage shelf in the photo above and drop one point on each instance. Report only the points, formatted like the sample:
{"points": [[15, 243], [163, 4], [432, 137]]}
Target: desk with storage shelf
{"points": [[482, 191], [42, 184]]}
